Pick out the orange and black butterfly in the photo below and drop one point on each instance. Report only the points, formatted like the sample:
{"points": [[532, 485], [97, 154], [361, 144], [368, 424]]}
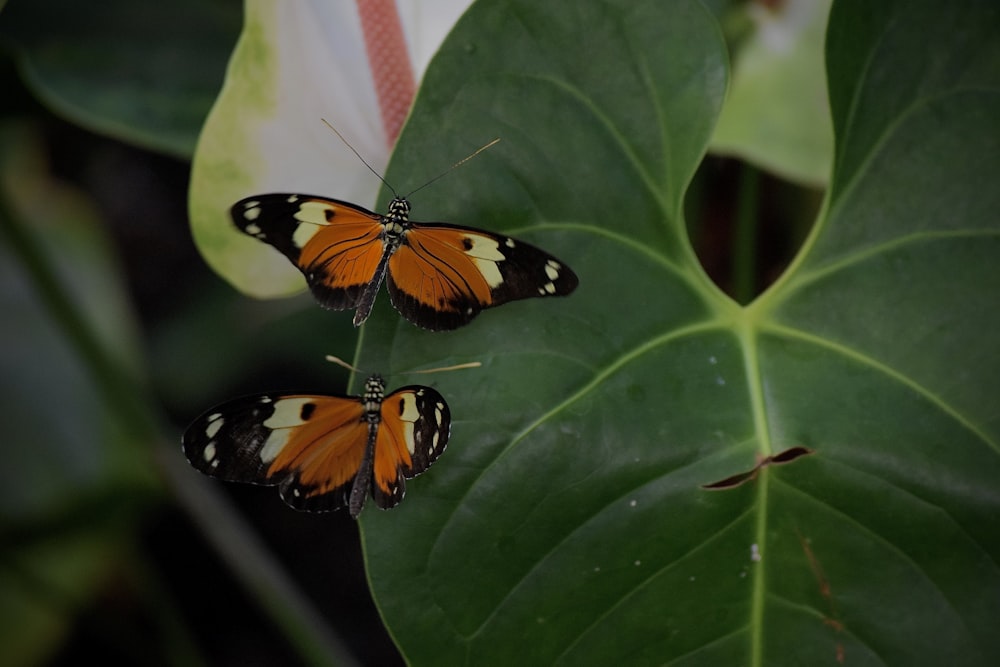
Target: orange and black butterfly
{"points": [[440, 276], [324, 452]]}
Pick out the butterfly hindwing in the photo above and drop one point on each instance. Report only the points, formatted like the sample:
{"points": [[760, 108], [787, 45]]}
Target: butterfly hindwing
{"points": [[337, 246], [324, 452], [443, 275]]}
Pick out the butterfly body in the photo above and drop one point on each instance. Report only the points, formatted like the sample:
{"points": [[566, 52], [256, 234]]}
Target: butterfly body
{"points": [[439, 276], [323, 451]]}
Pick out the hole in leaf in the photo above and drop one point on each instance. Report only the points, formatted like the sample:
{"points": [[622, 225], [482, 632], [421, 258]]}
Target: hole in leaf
{"points": [[746, 224], [781, 458]]}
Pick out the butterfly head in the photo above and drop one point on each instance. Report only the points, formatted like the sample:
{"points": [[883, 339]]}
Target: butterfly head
{"points": [[399, 209]]}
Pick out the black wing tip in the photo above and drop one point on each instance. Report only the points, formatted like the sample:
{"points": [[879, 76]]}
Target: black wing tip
{"points": [[239, 209], [272, 207], [564, 285], [567, 283]]}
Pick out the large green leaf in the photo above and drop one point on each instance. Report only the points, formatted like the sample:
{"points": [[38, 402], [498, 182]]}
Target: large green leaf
{"points": [[567, 522]]}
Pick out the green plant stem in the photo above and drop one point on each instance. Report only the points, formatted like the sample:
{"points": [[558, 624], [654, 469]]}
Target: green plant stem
{"points": [[745, 237]]}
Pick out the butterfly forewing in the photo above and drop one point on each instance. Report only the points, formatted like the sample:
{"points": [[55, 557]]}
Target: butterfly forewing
{"points": [[414, 430], [337, 246], [308, 445], [444, 275]]}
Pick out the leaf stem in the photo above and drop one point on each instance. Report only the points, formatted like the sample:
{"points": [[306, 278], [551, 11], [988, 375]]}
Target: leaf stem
{"points": [[744, 249]]}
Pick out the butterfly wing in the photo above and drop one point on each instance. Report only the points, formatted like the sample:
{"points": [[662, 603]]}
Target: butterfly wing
{"points": [[338, 246], [443, 275], [310, 446], [413, 431]]}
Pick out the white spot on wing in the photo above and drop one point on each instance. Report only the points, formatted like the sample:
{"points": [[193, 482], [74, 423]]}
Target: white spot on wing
{"points": [[409, 412], [314, 212], [253, 228], [411, 445], [485, 254], [209, 453], [287, 412], [484, 247], [409, 415], [275, 442], [287, 415], [313, 216], [552, 269], [215, 423], [491, 273]]}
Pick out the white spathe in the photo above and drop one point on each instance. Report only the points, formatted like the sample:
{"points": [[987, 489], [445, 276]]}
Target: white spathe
{"points": [[295, 64]]}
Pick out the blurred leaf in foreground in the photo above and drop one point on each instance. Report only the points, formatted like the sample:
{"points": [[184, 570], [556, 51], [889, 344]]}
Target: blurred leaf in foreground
{"points": [[73, 473]]}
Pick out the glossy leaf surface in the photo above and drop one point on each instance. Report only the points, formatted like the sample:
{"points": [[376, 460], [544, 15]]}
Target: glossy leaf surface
{"points": [[566, 524]]}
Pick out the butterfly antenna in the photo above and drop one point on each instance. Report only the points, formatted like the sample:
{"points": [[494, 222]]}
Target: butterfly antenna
{"points": [[342, 363], [453, 167], [365, 162], [471, 364]]}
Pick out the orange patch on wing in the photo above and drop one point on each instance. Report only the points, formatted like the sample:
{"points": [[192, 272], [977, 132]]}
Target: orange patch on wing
{"points": [[391, 451], [346, 252], [390, 454], [434, 269], [327, 449]]}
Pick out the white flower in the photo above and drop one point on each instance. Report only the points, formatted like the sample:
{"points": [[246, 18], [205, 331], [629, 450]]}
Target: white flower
{"points": [[296, 63]]}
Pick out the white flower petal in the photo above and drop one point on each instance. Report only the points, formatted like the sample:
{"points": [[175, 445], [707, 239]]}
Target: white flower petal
{"points": [[295, 64]]}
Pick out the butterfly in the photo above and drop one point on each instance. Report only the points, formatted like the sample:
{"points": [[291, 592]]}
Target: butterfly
{"points": [[440, 276], [322, 451]]}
